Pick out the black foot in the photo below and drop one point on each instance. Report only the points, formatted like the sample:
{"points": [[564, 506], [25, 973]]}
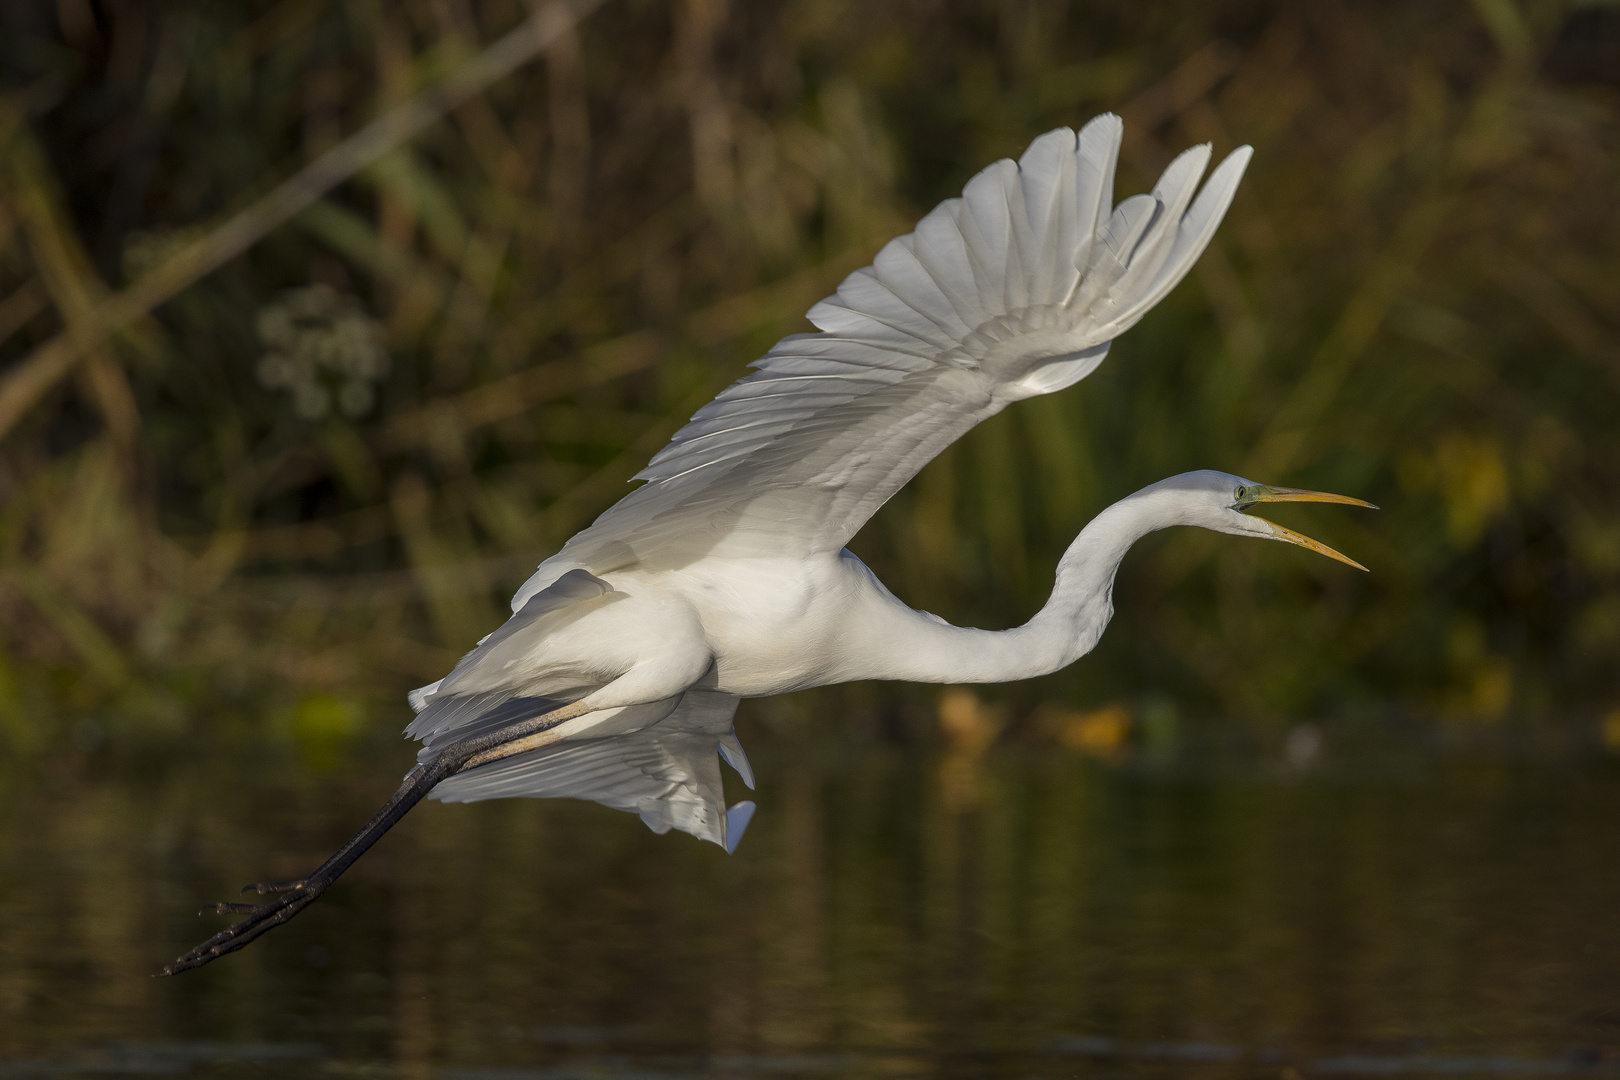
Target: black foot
{"points": [[295, 896]]}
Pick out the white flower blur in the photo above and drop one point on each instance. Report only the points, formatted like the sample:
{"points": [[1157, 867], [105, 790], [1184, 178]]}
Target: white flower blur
{"points": [[323, 350]]}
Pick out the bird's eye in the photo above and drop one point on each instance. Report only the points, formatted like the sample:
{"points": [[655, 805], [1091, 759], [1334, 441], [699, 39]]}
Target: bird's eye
{"points": [[1242, 493]]}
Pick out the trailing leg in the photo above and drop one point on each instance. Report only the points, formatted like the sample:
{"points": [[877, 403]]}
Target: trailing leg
{"points": [[295, 896]]}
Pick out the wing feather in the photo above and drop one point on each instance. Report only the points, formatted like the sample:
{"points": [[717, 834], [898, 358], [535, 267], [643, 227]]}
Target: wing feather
{"points": [[1047, 174], [667, 773], [941, 252], [985, 220], [1096, 156], [900, 273], [1014, 289], [1198, 226], [1173, 194]]}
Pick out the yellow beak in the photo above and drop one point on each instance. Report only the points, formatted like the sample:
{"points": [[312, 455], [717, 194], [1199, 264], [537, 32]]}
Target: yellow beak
{"points": [[1265, 494]]}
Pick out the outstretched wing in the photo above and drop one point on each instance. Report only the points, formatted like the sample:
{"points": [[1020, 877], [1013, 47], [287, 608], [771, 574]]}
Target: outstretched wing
{"points": [[1012, 290], [667, 773]]}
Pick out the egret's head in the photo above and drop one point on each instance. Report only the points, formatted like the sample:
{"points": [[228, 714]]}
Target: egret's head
{"points": [[1221, 501]]}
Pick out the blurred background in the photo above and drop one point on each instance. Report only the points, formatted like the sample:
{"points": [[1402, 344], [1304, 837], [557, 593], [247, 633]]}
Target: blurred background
{"points": [[276, 446]]}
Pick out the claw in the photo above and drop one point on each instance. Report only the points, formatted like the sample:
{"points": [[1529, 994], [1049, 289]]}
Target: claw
{"points": [[260, 918], [265, 888], [225, 907]]}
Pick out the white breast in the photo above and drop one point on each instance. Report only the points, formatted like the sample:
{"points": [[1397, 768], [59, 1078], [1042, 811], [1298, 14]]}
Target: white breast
{"points": [[773, 625]]}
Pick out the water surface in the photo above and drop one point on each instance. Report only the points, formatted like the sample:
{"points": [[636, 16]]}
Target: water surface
{"points": [[892, 912]]}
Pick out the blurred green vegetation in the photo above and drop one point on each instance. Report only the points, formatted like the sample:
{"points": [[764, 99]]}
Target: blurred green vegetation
{"points": [[316, 474]]}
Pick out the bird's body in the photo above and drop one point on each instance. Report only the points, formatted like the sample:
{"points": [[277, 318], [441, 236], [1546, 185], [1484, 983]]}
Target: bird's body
{"points": [[755, 627], [726, 574]]}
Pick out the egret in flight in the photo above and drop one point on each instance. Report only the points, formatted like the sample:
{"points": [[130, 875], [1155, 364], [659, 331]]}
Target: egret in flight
{"points": [[725, 575]]}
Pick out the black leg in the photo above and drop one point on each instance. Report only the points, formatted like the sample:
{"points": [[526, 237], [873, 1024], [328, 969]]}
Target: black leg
{"points": [[295, 896]]}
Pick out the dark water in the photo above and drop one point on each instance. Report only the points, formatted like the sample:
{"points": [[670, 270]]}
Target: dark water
{"points": [[891, 913]]}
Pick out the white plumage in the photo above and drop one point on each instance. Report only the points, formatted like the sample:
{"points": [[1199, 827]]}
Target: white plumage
{"points": [[725, 575], [1015, 289], [667, 773]]}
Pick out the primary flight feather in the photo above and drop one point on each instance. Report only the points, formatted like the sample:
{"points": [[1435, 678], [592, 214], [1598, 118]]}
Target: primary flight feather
{"points": [[725, 574]]}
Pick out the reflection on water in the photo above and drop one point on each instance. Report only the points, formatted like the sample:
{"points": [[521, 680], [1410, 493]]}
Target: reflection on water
{"points": [[1274, 914]]}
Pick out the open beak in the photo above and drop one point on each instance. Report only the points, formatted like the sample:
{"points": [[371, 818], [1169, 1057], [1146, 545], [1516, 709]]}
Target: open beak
{"points": [[1264, 494]]}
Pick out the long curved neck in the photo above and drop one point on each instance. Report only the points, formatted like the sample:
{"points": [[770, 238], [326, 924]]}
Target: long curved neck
{"points": [[1065, 629]]}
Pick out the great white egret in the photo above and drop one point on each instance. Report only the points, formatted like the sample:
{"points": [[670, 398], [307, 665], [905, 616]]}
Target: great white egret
{"points": [[725, 575]]}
